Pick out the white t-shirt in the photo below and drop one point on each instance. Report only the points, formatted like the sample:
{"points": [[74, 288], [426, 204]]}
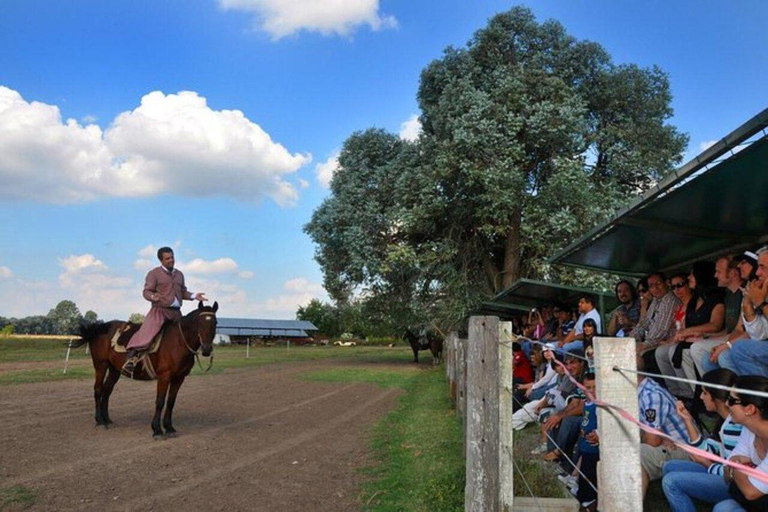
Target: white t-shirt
{"points": [[746, 447], [594, 315]]}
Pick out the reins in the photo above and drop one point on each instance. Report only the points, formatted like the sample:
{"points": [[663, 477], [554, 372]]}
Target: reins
{"points": [[200, 339]]}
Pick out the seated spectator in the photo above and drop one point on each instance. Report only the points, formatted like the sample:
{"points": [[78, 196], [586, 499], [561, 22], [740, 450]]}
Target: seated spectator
{"points": [[747, 492], [537, 321], [563, 424], [588, 450], [701, 479], [553, 398], [590, 331], [750, 356], [658, 323], [574, 340], [658, 410], [546, 378], [645, 296], [697, 315], [625, 317], [696, 360], [563, 323], [522, 371]]}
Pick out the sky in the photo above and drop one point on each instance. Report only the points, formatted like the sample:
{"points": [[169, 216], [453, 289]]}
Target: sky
{"points": [[212, 126]]}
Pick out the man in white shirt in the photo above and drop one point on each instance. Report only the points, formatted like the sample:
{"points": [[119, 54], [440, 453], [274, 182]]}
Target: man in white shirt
{"points": [[574, 340]]}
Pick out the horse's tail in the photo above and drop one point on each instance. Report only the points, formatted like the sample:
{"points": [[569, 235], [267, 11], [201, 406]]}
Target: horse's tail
{"points": [[90, 331]]}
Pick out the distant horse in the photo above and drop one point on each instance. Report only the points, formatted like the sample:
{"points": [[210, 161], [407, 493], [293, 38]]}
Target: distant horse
{"points": [[172, 362], [426, 340]]}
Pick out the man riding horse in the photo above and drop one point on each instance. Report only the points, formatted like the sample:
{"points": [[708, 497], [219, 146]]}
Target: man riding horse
{"points": [[164, 288]]}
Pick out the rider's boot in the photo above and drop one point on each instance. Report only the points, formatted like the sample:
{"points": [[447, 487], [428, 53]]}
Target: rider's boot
{"points": [[130, 364]]}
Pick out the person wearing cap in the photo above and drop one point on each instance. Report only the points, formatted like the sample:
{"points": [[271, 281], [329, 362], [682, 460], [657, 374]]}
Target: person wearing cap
{"points": [[564, 424]]}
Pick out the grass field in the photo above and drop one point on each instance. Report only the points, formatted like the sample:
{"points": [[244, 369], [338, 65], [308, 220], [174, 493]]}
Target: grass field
{"points": [[417, 447], [25, 352]]}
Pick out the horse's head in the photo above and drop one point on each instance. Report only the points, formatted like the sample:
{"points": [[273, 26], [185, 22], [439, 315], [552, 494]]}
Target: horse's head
{"points": [[206, 326]]}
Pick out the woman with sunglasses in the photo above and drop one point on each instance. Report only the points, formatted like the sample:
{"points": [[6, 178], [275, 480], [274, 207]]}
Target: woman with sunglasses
{"points": [[644, 293], [747, 492], [699, 478], [698, 315]]}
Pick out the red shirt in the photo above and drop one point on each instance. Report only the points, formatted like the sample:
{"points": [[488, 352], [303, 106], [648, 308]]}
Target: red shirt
{"points": [[521, 368]]}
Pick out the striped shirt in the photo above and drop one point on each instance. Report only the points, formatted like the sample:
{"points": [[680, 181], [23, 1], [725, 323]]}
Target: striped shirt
{"points": [[657, 410], [729, 435]]}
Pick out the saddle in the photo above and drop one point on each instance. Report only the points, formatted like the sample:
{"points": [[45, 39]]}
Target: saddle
{"points": [[125, 332]]}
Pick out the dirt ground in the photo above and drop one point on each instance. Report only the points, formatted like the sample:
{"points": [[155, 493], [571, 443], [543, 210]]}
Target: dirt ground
{"points": [[257, 439]]}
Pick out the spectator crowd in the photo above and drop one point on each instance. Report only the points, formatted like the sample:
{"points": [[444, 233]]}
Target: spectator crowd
{"points": [[702, 341]]}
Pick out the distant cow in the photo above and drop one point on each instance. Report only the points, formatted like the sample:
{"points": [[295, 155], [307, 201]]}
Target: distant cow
{"points": [[421, 338]]}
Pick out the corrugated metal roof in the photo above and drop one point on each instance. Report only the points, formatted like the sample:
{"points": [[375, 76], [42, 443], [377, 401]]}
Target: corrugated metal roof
{"points": [[245, 331], [255, 323]]}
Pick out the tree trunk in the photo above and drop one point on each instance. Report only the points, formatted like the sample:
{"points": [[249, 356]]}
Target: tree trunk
{"points": [[512, 251]]}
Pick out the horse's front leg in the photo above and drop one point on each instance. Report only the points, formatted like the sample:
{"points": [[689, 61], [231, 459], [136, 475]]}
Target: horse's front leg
{"points": [[415, 354], [162, 390], [167, 418]]}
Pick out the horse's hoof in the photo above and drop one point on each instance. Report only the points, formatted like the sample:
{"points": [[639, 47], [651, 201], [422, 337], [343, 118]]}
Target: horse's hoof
{"points": [[171, 434], [158, 437]]}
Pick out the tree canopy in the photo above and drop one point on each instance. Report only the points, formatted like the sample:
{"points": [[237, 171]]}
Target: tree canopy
{"points": [[530, 137]]}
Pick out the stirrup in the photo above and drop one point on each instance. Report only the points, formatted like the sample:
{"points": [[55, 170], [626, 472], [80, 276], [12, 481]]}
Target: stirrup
{"points": [[129, 367]]}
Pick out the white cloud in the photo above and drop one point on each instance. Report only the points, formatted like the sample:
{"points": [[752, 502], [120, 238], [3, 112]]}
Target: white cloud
{"points": [[89, 119], [325, 170], [84, 263], [149, 251], [5, 273], [246, 274], [703, 146], [170, 144], [411, 129], [144, 264], [87, 281], [280, 18], [304, 184], [205, 267], [302, 285]]}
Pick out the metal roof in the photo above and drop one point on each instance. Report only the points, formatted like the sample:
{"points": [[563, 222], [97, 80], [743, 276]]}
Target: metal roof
{"points": [[258, 327], [237, 331], [525, 294], [712, 205]]}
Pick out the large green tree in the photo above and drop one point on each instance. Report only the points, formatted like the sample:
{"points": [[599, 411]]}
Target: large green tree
{"points": [[530, 137]]}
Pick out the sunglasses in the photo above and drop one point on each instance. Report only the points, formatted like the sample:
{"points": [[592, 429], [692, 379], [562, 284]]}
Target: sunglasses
{"points": [[678, 286], [733, 401]]}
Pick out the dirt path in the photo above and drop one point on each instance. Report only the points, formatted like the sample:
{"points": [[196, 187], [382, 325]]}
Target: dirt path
{"points": [[260, 439]]}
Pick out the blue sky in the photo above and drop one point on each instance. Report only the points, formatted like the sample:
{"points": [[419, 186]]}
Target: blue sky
{"points": [[229, 171]]}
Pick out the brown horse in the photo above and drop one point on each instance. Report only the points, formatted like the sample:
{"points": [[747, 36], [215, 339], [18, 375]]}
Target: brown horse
{"points": [[172, 362]]}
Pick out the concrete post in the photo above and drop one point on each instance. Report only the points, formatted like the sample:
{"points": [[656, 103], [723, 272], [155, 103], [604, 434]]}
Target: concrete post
{"points": [[505, 386], [482, 487], [619, 478]]}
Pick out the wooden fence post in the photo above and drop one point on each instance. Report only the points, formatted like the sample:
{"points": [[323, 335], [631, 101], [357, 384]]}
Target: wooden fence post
{"points": [[505, 387], [482, 487], [450, 365], [619, 478]]}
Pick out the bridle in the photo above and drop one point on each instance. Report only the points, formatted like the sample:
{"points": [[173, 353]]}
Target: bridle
{"points": [[200, 339]]}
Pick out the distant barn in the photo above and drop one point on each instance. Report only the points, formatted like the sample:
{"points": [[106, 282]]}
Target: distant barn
{"points": [[242, 330]]}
